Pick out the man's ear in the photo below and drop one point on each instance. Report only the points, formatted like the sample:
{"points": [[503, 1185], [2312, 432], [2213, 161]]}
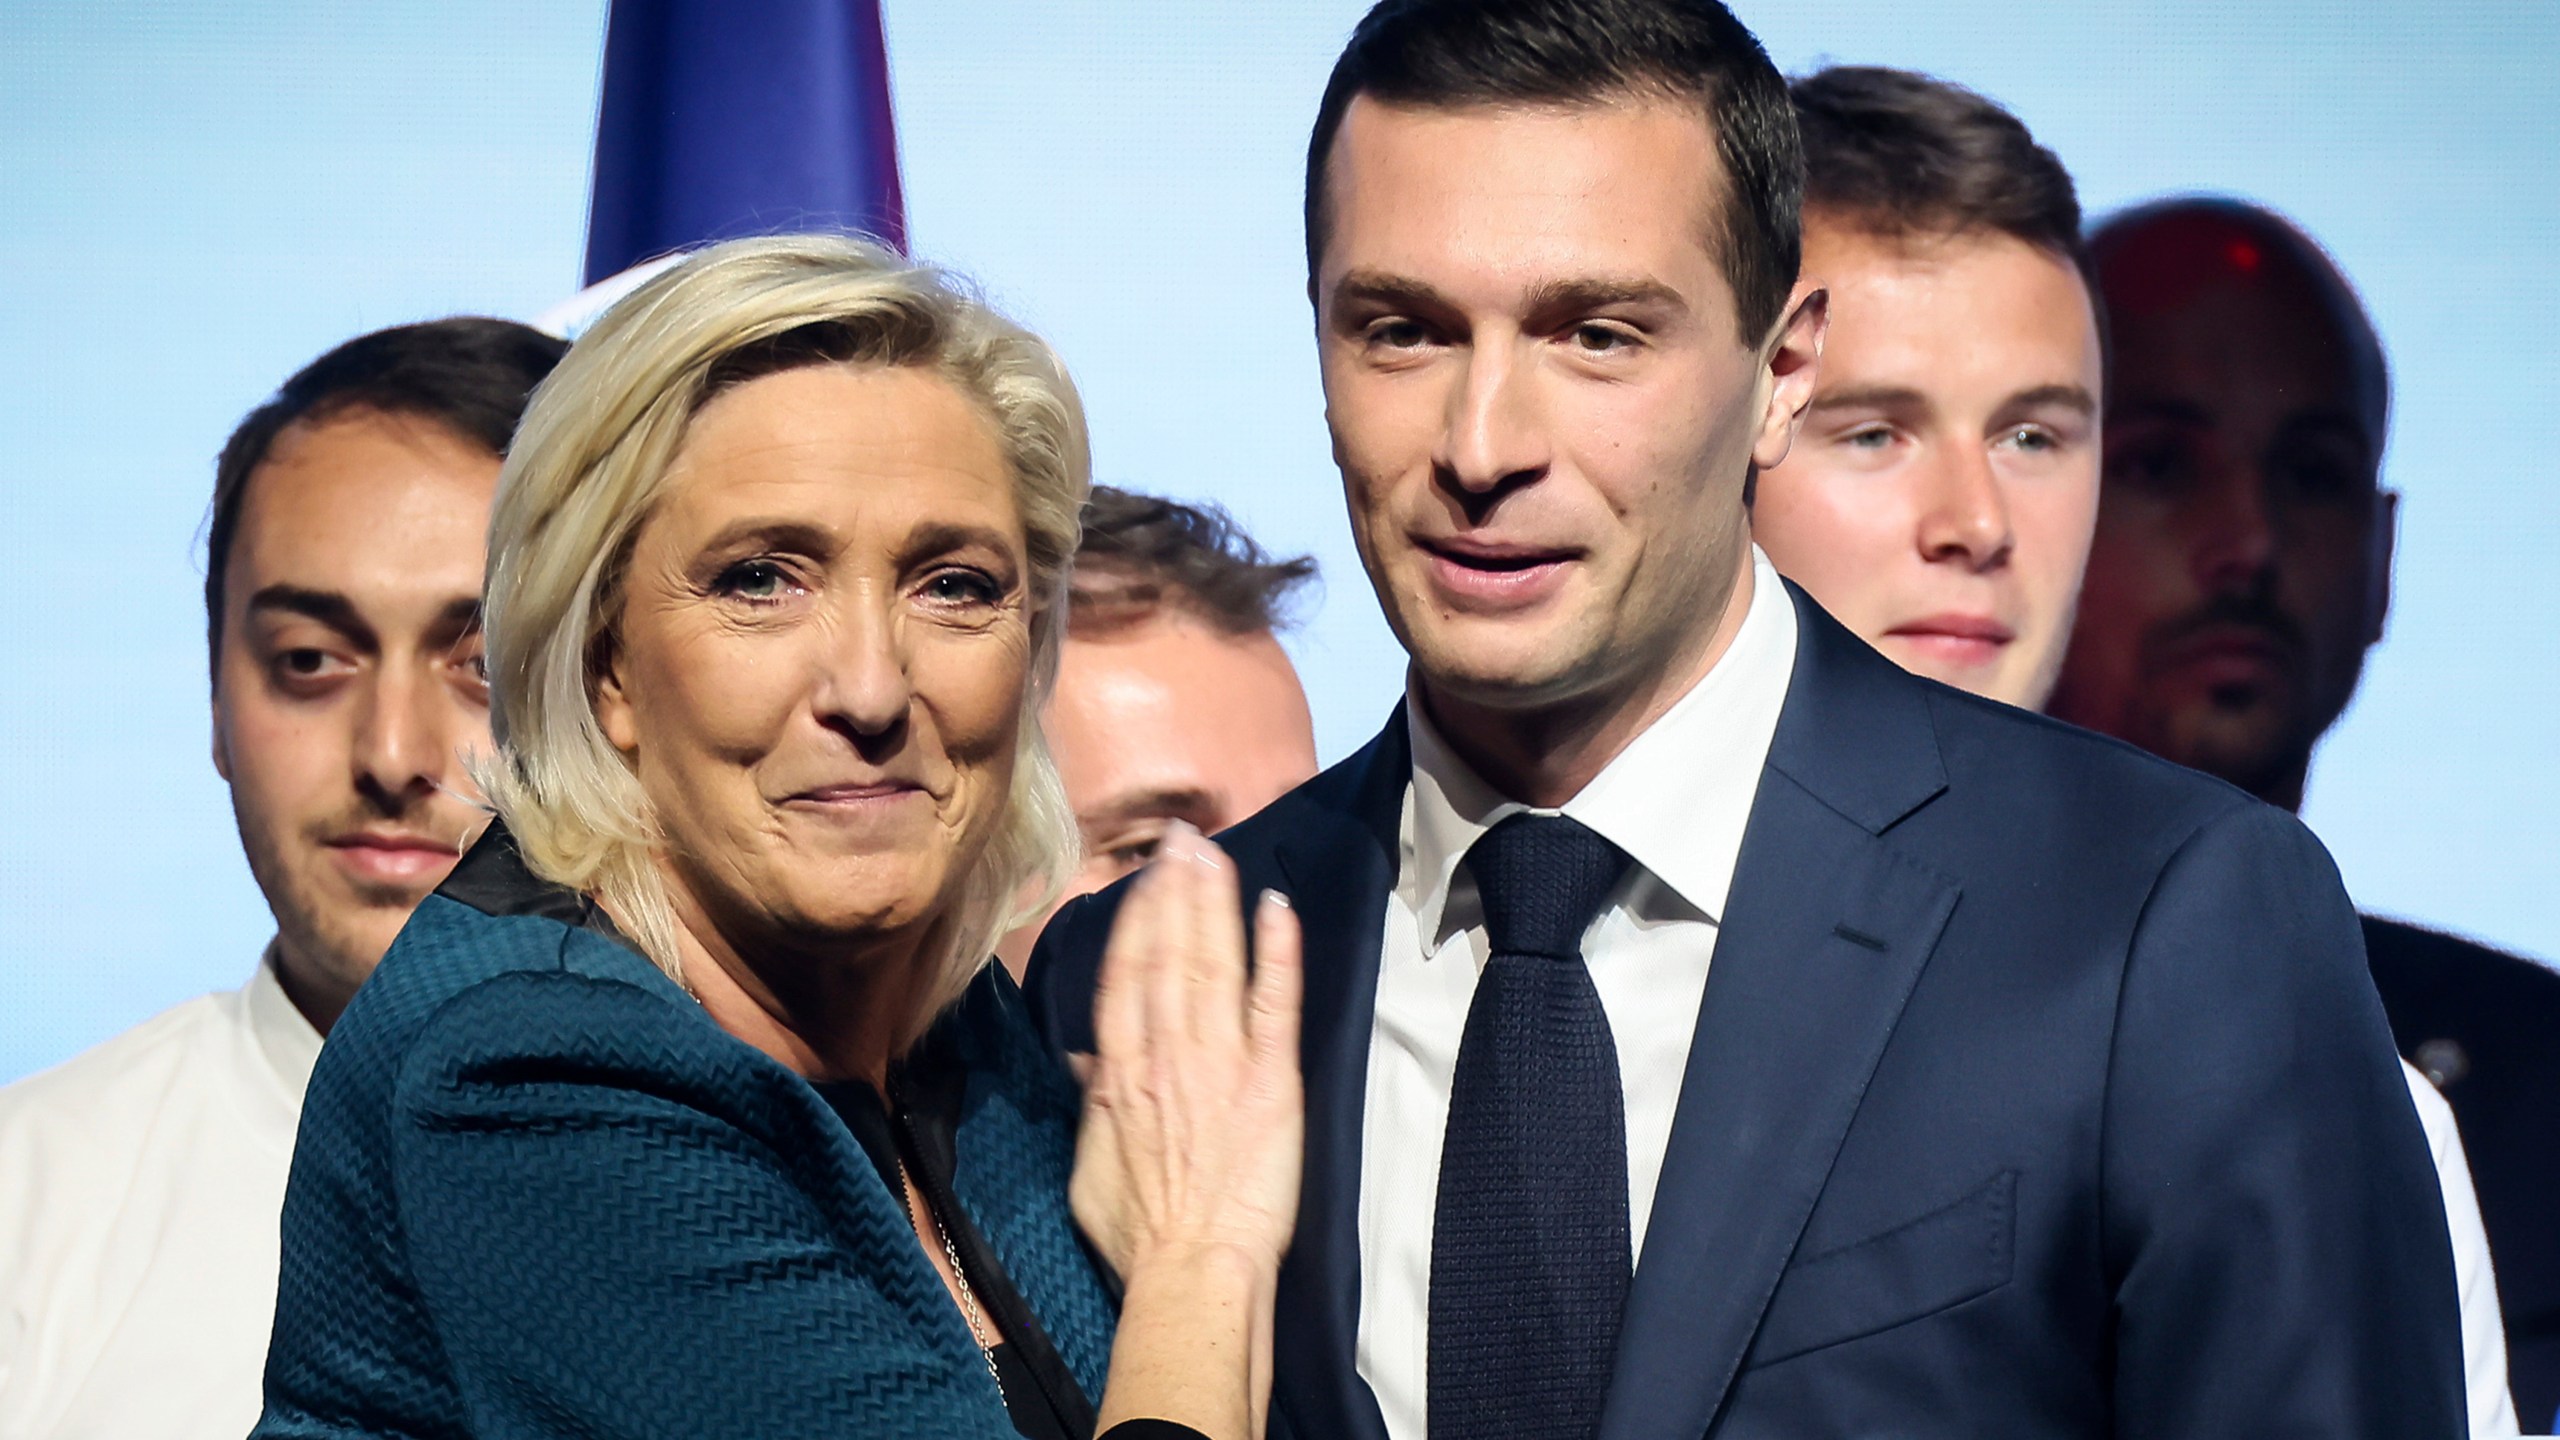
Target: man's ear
{"points": [[221, 743], [2385, 541], [1792, 356]]}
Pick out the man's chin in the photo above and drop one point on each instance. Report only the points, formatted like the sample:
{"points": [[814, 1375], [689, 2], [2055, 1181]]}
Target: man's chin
{"points": [[2254, 748]]}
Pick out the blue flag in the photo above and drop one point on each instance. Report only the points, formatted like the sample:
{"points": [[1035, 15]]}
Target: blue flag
{"points": [[723, 119]]}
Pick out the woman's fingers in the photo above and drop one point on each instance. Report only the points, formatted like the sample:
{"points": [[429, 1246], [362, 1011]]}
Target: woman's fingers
{"points": [[1178, 871], [1120, 991], [1279, 979], [1216, 960]]}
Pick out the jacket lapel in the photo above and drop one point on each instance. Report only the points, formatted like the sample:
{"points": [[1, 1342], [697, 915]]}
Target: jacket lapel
{"points": [[1824, 935], [1339, 862]]}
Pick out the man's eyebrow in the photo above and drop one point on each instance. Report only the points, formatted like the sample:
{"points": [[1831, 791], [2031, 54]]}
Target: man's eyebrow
{"points": [[1170, 803], [2067, 397], [459, 617], [1592, 293], [2178, 412], [1381, 288], [1871, 397], [328, 607]]}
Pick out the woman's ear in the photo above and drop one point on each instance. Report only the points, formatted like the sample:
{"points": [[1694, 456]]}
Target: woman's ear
{"points": [[613, 701]]}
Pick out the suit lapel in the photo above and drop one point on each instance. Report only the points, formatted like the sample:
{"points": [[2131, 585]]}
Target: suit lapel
{"points": [[1339, 869], [1824, 935]]}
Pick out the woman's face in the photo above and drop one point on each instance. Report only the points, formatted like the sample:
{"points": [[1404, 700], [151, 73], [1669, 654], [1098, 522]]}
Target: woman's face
{"points": [[819, 664]]}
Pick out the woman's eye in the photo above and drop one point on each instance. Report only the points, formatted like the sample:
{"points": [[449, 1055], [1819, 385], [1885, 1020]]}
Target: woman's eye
{"points": [[962, 587], [754, 580]]}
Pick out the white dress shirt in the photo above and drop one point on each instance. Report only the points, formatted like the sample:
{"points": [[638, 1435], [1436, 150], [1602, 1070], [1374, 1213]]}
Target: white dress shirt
{"points": [[1676, 800], [139, 1188], [2484, 1336]]}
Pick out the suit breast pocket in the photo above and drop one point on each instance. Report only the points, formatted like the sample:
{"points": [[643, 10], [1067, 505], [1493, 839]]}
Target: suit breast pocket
{"points": [[1914, 1270]]}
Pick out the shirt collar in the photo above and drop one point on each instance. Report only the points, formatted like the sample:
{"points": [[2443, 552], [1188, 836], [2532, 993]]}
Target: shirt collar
{"points": [[1676, 799], [284, 1037]]}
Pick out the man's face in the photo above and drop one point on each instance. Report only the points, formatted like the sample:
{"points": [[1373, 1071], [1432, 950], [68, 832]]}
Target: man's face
{"points": [[1169, 718], [349, 683], [1939, 498], [2242, 560], [1541, 403]]}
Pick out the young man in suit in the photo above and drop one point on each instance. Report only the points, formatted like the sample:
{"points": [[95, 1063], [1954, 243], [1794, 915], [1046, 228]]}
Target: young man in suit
{"points": [[1710, 1028], [1939, 499], [2241, 570]]}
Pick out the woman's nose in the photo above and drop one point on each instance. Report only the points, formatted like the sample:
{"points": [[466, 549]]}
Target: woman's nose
{"points": [[862, 679]]}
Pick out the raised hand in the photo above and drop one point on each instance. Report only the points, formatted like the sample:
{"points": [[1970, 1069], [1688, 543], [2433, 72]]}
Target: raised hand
{"points": [[1187, 1169]]}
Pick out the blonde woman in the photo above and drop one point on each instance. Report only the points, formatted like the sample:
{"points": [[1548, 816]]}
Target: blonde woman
{"points": [[691, 1106]]}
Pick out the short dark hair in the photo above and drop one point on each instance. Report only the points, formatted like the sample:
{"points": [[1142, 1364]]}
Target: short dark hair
{"points": [[1447, 54], [1905, 156], [469, 374], [1141, 554]]}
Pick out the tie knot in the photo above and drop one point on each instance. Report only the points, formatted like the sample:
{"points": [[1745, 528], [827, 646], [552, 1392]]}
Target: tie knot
{"points": [[1542, 878]]}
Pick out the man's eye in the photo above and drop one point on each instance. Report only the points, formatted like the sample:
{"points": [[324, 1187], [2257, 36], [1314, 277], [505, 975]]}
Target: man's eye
{"points": [[1135, 853], [2031, 438], [2319, 476], [2161, 465], [1601, 339], [761, 581], [1868, 437], [1395, 334]]}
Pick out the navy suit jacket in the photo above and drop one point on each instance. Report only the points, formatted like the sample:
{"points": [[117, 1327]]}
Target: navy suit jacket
{"points": [[2038, 1090]]}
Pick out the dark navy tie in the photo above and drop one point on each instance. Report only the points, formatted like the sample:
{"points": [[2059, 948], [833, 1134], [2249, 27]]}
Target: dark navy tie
{"points": [[1530, 1257]]}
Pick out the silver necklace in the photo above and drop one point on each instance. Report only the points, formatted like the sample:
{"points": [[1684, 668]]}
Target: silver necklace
{"points": [[979, 1329]]}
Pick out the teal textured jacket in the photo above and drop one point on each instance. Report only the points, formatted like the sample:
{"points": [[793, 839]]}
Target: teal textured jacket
{"points": [[539, 1193]]}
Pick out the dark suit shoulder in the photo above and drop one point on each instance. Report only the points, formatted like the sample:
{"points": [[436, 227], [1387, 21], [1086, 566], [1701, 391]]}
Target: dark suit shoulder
{"points": [[1986, 743]]}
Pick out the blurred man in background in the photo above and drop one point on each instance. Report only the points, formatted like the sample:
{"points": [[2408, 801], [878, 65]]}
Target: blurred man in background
{"points": [[1941, 495], [2241, 570], [140, 1183], [1174, 699]]}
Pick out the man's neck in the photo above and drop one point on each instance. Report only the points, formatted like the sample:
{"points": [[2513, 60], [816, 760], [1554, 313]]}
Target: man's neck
{"points": [[1545, 756], [313, 988]]}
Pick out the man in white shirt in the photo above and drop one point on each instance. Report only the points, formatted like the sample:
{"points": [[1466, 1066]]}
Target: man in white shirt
{"points": [[2017, 1084], [1941, 498], [140, 1182]]}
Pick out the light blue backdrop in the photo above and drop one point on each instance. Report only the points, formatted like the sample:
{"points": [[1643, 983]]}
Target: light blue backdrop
{"points": [[195, 200]]}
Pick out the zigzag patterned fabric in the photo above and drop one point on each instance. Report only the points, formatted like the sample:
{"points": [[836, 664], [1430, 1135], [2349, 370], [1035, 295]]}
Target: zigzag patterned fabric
{"points": [[539, 1193]]}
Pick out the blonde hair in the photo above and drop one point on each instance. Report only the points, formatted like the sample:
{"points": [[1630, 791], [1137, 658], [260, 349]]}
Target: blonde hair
{"points": [[588, 465]]}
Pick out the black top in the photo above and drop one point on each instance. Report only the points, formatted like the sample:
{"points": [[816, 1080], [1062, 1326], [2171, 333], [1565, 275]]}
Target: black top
{"points": [[1040, 1396]]}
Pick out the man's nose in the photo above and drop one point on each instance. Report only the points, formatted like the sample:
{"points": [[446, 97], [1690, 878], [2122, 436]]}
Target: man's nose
{"points": [[1964, 516], [407, 737], [2231, 527], [1494, 437]]}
